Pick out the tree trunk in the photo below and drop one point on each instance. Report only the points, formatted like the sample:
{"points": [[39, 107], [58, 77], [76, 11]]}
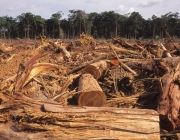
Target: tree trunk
{"points": [[4, 34], [63, 122], [91, 93], [80, 27], [35, 32], [96, 69], [116, 29], [73, 32], [28, 28], [109, 123], [59, 29], [53, 31], [25, 33], [68, 35], [61, 46], [43, 31], [154, 31], [85, 30]]}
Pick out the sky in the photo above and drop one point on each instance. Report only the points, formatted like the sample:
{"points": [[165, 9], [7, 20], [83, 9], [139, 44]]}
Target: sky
{"points": [[45, 8]]}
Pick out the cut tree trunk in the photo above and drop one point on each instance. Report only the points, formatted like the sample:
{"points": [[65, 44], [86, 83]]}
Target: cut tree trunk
{"points": [[60, 45], [91, 93], [96, 69], [87, 63], [67, 122]]}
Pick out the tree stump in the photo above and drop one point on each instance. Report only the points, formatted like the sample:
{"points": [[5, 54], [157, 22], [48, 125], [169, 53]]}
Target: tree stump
{"points": [[91, 93]]}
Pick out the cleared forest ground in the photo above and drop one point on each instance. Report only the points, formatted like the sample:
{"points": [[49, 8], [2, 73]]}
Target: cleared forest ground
{"points": [[138, 75]]}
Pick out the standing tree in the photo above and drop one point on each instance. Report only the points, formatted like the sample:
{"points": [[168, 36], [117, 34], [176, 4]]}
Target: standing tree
{"points": [[91, 28], [135, 21], [39, 24], [72, 19], [65, 24], [56, 18], [26, 19], [81, 16], [2, 27], [78, 21], [157, 25]]}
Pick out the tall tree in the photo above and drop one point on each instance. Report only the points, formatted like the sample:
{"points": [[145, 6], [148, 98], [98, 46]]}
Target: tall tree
{"points": [[73, 22], [65, 25], [81, 16], [2, 27], [27, 20], [39, 24], [56, 18], [91, 28], [100, 25], [135, 21]]}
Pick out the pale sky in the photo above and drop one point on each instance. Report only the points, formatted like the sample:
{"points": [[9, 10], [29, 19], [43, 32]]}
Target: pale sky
{"points": [[45, 8]]}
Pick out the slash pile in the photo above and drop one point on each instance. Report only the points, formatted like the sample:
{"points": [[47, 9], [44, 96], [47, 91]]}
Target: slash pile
{"points": [[37, 77]]}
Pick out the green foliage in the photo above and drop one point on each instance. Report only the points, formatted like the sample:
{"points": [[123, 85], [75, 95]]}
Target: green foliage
{"points": [[98, 25]]}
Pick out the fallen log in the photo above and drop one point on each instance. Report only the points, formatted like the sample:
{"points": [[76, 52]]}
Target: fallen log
{"points": [[123, 50], [7, 133], [91, 93], [69, 122], [96, 69], [6, 48], [60, 45], [164, 48], [123, 42], [87, 63], [150, 64]]}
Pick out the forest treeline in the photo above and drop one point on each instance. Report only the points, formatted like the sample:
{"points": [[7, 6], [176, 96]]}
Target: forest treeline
{"points": [[99, 25]]}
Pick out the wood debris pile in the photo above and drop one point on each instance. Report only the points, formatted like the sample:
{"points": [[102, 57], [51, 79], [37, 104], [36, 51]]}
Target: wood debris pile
{"points": [[38, 78], [86, 40]]}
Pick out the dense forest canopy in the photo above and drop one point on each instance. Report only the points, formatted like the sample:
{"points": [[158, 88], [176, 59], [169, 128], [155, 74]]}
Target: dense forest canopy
{"points": [[99, 25]]}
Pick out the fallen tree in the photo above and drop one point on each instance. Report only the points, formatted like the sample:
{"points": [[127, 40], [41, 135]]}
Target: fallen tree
{"points": [[96, 69], [68, 122], [91, 93]]}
